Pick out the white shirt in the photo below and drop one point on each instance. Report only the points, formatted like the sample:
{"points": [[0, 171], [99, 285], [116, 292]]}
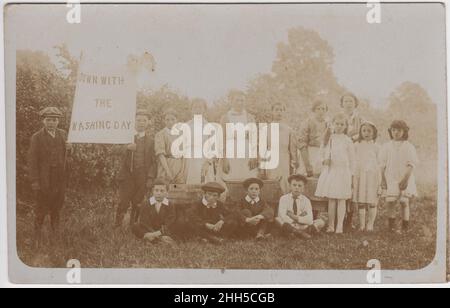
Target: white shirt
{"points": [[141, 134], [252, 201], [157, 204], [303, 206]]}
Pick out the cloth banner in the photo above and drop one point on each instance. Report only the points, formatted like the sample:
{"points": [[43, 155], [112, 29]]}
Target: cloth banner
{"points": [[104, 107]]}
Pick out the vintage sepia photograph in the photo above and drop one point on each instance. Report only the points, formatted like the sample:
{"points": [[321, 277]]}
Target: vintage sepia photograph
{"points": [[245, 139]]}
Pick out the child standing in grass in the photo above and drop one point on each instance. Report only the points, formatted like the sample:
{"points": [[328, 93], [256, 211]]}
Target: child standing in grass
{"points": [[398, 159], [170, 168], [366, 179], [335, 181], [311, 138]]}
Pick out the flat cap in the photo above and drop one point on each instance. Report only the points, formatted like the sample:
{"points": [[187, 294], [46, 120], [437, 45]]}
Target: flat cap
{"points": [[213, 187], [51, 112], [251, 181]]}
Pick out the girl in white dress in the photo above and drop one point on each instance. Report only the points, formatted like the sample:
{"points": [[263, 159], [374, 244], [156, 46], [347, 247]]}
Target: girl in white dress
{"points": [[398, 160], [335, 181], [367, 176]]}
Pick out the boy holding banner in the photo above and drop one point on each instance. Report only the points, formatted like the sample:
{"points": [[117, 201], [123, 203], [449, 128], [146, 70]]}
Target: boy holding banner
{"points": [[137, 170]]}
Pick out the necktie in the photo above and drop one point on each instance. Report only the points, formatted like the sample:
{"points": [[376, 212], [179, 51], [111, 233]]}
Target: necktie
{"points": [[295, 206]]}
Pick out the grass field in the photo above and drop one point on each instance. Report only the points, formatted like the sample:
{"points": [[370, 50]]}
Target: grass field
{"points": [[87, 236]]}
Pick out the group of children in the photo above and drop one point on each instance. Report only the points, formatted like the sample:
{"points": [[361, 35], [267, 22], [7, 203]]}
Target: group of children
{"points": [[352, 172], [212, 221]]}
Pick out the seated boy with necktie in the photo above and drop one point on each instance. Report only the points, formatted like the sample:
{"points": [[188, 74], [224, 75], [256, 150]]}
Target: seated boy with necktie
{"points": [[295, 215], [254, 213], [157, 216]]}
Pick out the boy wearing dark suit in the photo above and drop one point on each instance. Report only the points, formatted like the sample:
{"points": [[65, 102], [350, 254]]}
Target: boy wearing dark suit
{"points": [[47, 169], [255, 214], [209, 218], [137, 170], [157, 216]]}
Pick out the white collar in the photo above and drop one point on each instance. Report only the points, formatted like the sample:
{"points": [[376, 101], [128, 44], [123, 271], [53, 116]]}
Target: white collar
{"points": [[252, 201], [141, 134], [153, 201], [51, 134], [205, 203], [292, 196]]}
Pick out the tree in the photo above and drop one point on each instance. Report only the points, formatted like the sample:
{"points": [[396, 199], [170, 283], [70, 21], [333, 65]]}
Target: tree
{"points": [[411, 103]]}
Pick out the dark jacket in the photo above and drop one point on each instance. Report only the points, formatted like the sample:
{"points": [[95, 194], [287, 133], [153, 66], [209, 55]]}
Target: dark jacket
{"points": [[39, 158], [199, 215], [260, 208], [163, 221], [125, 154]]}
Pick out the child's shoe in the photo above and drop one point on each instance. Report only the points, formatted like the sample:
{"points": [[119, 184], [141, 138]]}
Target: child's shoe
{"points": [[168, 240], [303, 234]]}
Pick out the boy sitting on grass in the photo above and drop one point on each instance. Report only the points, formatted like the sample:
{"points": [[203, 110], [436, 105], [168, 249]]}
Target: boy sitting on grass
{"points": [[254, 213], [157, 216], [295, 215], [209, 218]]}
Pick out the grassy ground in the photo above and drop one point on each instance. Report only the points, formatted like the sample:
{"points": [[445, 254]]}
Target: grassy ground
{"points": [[87, 236]]}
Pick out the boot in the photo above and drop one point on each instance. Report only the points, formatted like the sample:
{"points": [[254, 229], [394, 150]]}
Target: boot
{"points": [[302, 234]]}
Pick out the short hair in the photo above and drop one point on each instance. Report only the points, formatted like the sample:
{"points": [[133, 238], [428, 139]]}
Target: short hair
{"points": [[317, 104], [341, 116], [399, 124], [375, 131], [298, 177], [352, 96], [283, 106], [160, 182]]}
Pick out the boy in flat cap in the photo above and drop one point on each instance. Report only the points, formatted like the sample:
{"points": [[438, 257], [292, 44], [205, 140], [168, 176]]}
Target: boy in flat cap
{"points": [[209, 218], [157, 216], [295, 214], [255, 214], [47, 169], [137, 171]]}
